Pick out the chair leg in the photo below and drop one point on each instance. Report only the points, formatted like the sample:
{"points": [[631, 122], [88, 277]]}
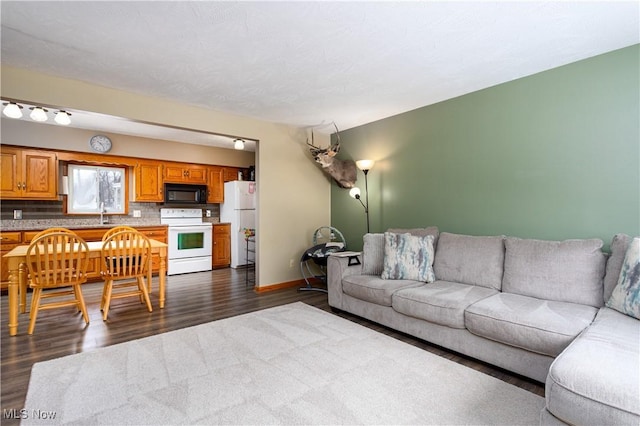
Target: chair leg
{"points": [[104, 295], [80, 302], [35, 304], [143, 288], [108, 287]]}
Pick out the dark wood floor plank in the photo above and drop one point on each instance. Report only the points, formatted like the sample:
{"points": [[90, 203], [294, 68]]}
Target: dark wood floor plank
{"points": [[192, 299]]}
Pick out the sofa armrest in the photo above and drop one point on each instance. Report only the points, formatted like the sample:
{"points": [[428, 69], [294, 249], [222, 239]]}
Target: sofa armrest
{"points": [[337, 269]]}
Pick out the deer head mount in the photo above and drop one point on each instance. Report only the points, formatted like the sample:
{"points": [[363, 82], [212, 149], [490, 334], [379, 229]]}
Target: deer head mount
{"points": [[344, 172]]}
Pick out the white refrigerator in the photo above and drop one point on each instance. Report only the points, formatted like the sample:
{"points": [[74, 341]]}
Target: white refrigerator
{"points": [[239, 209]]}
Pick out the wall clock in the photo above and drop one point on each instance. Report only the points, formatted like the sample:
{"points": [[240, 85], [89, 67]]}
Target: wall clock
{"points": [[100, 143]]}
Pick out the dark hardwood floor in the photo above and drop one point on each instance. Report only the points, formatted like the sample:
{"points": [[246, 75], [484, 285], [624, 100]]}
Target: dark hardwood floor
{"points": [[191, 299]]}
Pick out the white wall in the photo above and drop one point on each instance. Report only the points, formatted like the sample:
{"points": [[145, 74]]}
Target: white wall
{"points": [[293, 196]]}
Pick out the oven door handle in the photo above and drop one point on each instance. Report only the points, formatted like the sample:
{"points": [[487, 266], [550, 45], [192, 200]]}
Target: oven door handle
{"points": [[186, 229]]}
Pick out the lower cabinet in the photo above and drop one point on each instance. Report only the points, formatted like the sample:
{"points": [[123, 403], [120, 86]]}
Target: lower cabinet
{"points": [[9, 240], [221, 245]]}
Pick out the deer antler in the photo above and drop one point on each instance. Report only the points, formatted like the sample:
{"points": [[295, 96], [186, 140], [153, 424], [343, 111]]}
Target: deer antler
{"points": [[335, 147]]}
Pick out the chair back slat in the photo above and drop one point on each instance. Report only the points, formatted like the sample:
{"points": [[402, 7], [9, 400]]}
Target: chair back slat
{"points": [[126, 254], [57, 259]]}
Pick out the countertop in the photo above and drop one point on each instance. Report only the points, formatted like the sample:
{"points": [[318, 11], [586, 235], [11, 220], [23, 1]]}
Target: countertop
{"points": [[40, 224]]}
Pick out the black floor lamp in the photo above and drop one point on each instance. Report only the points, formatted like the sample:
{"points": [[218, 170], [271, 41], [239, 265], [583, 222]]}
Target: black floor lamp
{"points": [[365, 166]]}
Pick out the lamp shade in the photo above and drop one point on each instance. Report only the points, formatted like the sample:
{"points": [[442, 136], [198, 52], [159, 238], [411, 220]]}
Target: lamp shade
{"points": [[38, 114], [354, 192], [12, 110], [238, 144], [62, 118], [365, 164]]}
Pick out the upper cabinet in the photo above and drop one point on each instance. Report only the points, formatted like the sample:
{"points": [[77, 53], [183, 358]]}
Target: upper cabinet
{"points": [[185, 173], [230, 173], [148, 181], [28, 174], [32, 174], [215, 184]]}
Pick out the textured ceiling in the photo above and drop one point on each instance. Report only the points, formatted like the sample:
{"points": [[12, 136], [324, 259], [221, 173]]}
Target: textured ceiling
{"points": [[307, 63]]}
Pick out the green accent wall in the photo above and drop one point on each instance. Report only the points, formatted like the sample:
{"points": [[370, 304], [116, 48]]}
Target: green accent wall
{"points": [[555, 155]]}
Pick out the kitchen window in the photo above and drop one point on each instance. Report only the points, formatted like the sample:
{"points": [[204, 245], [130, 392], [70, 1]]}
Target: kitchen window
{"points": [[92, 188]]}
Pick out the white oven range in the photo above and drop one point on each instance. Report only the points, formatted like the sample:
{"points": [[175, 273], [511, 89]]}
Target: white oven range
{"points": [[189, 241]]}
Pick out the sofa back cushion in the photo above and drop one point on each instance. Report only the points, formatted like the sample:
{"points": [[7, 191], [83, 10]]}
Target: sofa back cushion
{"points": [[470, 260], [566, 271], [372, 254], [619, 246]]}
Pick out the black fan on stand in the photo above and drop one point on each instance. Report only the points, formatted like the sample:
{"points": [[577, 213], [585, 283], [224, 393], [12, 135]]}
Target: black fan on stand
{"points": [[313, 264]]}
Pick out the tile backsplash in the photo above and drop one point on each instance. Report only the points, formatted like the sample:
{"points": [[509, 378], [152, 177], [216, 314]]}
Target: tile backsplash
{"points": [[42, 214]]}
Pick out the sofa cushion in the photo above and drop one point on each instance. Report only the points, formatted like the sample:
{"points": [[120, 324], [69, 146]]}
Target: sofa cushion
{"points": [[625, 297], [441, 302], [419, 232], [407, 257], [470, 260], [373, 254], [596, 380], [545, 327], [619, 246], [374, 289], [565, 271]]}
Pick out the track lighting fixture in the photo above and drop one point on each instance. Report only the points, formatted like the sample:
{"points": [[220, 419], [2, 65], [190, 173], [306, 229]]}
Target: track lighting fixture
{"points": [[14, 110]]}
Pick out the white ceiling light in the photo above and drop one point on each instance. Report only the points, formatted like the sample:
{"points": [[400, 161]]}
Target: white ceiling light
{"points": [[62, 118], [38, 114], [238, 144], [12, 110]]}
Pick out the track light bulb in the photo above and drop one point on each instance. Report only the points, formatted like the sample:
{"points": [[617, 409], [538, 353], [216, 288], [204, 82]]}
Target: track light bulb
{"points": [[12, 110], [62, 118], [38, 114]]}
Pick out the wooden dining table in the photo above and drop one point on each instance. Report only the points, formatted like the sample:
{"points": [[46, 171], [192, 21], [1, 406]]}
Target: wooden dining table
{"points": [[18, 276]]}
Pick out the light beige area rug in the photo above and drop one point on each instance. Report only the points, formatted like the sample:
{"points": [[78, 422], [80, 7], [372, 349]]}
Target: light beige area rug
{"points": [[292, 364]]}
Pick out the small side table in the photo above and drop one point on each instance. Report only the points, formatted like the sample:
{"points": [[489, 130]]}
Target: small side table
{"points": [[250, 270]]}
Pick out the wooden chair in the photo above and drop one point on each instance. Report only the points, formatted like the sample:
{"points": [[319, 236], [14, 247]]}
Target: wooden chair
{"points": [[22, 291], [57, 263], [117, 229], [125, 261]]}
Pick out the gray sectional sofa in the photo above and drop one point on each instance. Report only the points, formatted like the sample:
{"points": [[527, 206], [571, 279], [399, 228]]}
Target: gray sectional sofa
{"points": [[533, 307]]}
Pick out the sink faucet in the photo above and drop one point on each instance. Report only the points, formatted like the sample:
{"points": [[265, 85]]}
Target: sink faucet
{"points": [[103, 220]]}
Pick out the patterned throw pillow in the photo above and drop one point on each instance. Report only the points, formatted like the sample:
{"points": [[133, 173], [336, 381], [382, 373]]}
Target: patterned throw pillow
{"points": [[407, 257], [626, 295]]}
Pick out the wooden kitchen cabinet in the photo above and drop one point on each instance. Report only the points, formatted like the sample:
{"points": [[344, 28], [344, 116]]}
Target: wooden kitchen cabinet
{"points": [[28, 174], [155, 233], [8, 240], [215, 184], [148, 182], [230, 173], [221, 245], [185, 173]]}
